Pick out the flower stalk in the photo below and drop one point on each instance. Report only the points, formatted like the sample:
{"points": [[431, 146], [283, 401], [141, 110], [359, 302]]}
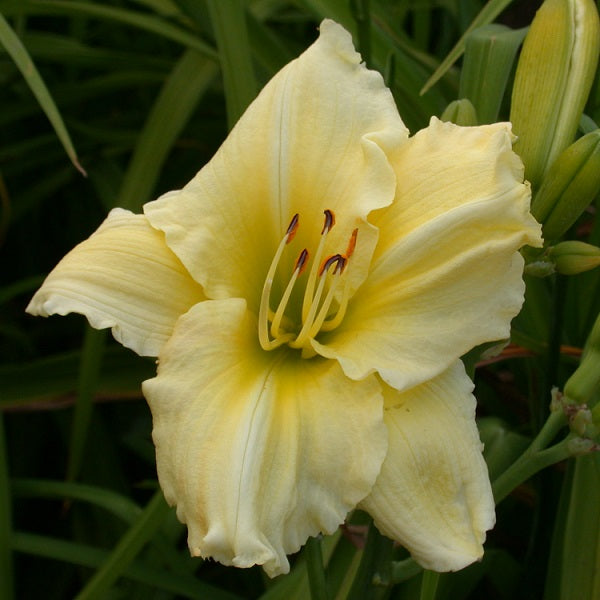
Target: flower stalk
{"points": [[316, 569]]}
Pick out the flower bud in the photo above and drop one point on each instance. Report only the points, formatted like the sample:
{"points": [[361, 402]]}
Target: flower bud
{"points": [[552, 82], [570, 186], [574, 257], [460, 112], [585, 381]]}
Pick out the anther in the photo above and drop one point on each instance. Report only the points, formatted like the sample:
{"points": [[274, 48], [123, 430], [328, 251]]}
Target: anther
{"points": [[292, 228], [329, 221], [351, 244], [301, 261], [264, 312], [309, 293], [325, 289], [337, 259]]}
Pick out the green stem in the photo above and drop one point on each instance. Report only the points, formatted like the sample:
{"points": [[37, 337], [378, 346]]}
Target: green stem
{"points": [[316, 571], [402, 570], [553, 353], [529, 463], [429, 584], [554, 423], [376, 557]]}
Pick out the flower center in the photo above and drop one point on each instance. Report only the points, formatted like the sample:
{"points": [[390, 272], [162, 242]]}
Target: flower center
{"points": [[325, 295]]}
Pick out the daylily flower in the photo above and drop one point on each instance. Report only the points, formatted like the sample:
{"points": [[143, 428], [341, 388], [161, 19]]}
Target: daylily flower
{"points": [[308, 295]]}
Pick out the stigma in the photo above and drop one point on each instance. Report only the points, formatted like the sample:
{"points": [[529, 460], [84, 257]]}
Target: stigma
{"points": [[325, 298]]}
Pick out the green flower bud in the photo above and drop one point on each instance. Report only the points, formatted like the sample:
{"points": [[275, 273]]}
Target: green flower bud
{"points": [[581, 386], [540, 268], [553, 79], [570, 186], [581, 446], [583, 422], [460, 112], [574, 257]]}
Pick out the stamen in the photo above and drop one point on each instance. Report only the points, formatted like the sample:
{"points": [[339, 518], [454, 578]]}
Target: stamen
{"points": [[298, 268], [324, 310], [314, 271], [335, 321], [317, 303], [307, 324], [265, 309]]}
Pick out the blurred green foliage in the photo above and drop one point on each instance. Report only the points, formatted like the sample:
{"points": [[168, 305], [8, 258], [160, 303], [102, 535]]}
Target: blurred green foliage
{"points": [[145, 91]]}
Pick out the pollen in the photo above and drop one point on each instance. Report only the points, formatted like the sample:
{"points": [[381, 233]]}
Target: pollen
{"points": [[325, 298]]}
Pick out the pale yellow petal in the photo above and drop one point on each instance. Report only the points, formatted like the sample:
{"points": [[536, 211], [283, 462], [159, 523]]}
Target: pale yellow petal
{"points": [[446, 273], [258, 450], [433, 494], [314, 139], [125, 277]]}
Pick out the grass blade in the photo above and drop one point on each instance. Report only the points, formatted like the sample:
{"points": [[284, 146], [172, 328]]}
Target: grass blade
{"points": [[88, 556], [487, 14], [137, 19], [489, 55], [47, 383], [127, 549], [579, 574], [117, 504], [22, 60], [175, 104], [229, 24]]}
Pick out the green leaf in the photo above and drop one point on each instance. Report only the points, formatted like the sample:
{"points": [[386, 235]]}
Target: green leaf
{"points": [[487, 14], [49, 382], [229, 24], [88, 556], [119, 505], [137, 19], [178, 98], [269, 50], [501, 445], [127, 549], [489, 55], [580, 542], [316, 570], [21, 58]]}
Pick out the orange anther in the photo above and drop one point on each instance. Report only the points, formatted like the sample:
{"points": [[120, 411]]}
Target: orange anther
{"points": [[301, 261], [292, 228], [351, 244]]}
